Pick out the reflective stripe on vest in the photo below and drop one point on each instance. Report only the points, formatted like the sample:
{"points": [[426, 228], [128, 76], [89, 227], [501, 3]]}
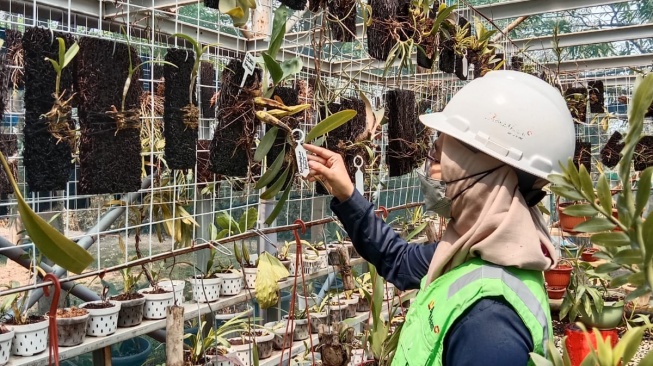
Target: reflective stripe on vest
{"points": [[489, 271]]}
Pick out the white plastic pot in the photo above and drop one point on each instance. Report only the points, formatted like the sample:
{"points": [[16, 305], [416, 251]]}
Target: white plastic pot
{"points": [[29, 339], [228, 316], [279, 330], [311, 265], [213, 360], [206, 289], [317, 319], [72, 331], [102, 322], [323, 258], [5, 346], [301, 331], [337, 312], [264, 345], [351, 305], [250, 277], [302, 301], [156, 304], [389, 291], [232, 283], [243, 352], [174, 285]]}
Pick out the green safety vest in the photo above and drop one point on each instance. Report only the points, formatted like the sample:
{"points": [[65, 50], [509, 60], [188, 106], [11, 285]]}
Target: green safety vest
{"points": [[437, 307]]}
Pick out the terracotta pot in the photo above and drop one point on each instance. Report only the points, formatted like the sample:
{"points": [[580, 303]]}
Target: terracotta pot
{"points": [[588, 255], [556, 293], [558, 276], [568, 223]]}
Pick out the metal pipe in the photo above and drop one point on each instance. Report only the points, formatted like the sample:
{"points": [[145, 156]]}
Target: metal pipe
{"points": [[87, 240]]}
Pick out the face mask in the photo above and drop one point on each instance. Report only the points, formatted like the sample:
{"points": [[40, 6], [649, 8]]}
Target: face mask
{"points": [[434, 192]]}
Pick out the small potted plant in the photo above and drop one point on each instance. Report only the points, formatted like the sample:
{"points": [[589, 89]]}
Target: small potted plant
{"points": [[338, 310], [283, 333], [300, 323], [249, 269], [232, 280], [306, 358], [363, 292], [207, 286], [588, 254], [285, 257], [175, 286], [6, 337], [560, 275], [319, 314], [305, 296], [263, 339], [131, 302], [30, 332], [103, 316], [351, 301], [71, 326], [240, 310], [157, 299]]}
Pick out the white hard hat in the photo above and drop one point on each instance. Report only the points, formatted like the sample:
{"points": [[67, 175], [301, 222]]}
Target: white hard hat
{"points": [[512, 116]]}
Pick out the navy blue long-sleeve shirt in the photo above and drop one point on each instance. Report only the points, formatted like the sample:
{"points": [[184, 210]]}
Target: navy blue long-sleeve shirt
{"points": [[489, 333], [399, 262]]}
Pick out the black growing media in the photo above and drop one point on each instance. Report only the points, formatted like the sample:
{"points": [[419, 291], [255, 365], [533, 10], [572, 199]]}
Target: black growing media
{"points": [[343, 28], [208, 89], [294, 4], [596, 96], [402, 156], [343, 138], [109, 156], [643, 157], [471, 55], [8, 147], [576, 99], [315, 5], [233, 141], [583, 154], [4, 82], [379, 33], [181, 140], [516, 62], [611, 152], [213, 4], [447, 57], [426, 55], [47, 161]]}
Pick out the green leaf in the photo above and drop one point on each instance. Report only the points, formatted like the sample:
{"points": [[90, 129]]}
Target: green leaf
{"points": [[55, 65], [53, 244], [291, 67], [416, 231], [442, 15], [643, 190], [276, 186], [572, 172], [559, 180], [647, 235], [62, 51], [248, 219], [586, 181], [628, 256], [272, 171], [330, 123], [611, 239], [567, 193], [619, 281], [603, 193], [277, 208], [595, 224], [580, 210], [189, 39], [255, 360], [225, 221], [273, 67], [640, 291], [266, 144], [70, 54], [278, 33], [607, 267], [637, 279]]}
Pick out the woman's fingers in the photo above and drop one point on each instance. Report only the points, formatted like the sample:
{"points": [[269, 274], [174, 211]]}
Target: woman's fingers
{"points": [[316, 159]]}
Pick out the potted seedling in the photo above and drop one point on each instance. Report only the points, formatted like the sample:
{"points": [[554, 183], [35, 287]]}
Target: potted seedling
{"points": [[59, 117], [249, 269], [306, 358], [213, 348], [286, 257], [71, 326], [338, 310], [240, 310], [207, 286], [305, 296], [232, 279], [283, 333], [103, 315], [263, 276], [300, 323], [352, 302], [363, 292], [319, 314], [30, 332], [6, 337], [262, 337], [131, 302], [157, 299]]}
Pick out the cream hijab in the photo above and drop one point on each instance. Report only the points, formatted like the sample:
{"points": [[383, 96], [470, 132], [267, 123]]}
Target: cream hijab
{"points": [[490, 220]]}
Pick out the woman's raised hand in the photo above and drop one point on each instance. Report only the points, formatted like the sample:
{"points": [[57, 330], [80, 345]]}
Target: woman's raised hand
{"points": [[329, 168]]}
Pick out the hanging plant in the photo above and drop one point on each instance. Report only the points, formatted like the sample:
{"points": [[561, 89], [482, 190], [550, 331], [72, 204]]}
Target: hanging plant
{"points": [[47, 159], [15, 57], [207, 90], [109, 112], [342, 19], [643, 157], [477, 49], [576, 99], [516, 63], [583, 154], [403, 152], [596, 96], [611, 152]]}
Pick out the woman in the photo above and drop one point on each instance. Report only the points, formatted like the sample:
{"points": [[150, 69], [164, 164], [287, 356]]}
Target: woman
{"points": [[482, 298]]}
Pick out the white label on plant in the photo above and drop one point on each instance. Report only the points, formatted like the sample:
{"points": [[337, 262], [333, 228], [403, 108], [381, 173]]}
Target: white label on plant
{"points": [[358, 176], [465, 66], [249, 64], [300, 154]]}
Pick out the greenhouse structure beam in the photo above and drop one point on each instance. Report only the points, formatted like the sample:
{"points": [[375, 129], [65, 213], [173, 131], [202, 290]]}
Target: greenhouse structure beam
{"points": [[139, 6], [587, 37], [517, 8], [604, 63]]}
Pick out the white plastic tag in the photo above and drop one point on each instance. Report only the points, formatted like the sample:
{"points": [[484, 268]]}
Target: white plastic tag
{"points": [[300, 154], [249, 64], [358, 176], [465, 66]]}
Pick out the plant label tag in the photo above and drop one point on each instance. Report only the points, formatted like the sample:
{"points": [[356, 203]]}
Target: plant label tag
{"points": [[358, 176], [249, 64], [301, 157], [465, 66]]}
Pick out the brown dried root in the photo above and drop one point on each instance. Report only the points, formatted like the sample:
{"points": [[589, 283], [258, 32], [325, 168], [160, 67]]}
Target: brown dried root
{"points": [[58, 121], [126, 119], [191, 116]]}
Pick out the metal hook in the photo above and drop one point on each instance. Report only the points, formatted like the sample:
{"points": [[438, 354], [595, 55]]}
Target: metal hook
{"points": [[383, 212], [219, 248], [52, 315]]}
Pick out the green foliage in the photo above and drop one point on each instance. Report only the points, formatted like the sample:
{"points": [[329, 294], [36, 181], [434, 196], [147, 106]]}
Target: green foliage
{"points": [[64, 59], [228, 226], [238, 10], [199, 52]]}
